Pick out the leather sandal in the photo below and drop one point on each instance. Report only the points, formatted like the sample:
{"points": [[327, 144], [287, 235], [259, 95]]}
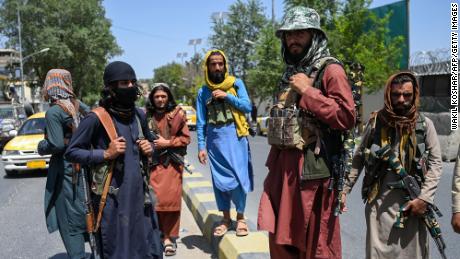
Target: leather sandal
{"points": [[241, 228], [222, 228], [170, 249]]}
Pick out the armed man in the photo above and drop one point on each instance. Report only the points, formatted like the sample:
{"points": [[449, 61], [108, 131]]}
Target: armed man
{"points": [[306, 131], [222, 132], [168, 122], [112, 141], [456, 195], [402, 157]]}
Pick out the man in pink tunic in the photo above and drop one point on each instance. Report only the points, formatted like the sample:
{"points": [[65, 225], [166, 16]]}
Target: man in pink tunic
{"points": [[297, 206]]}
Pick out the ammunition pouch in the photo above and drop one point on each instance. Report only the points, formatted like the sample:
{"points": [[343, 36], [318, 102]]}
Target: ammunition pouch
{"points": [[99, 173], [219, 112], [284, 128]]}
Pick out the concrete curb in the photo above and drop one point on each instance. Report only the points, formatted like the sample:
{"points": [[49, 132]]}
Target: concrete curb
{"points": [[198, 194]]}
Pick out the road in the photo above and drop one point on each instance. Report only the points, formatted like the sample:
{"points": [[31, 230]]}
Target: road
{"points": [[23, 228], [353, 223]]}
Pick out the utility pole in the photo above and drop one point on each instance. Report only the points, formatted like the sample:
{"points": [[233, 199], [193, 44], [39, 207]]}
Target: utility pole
{"points": [[273, 12], [20, 56]]}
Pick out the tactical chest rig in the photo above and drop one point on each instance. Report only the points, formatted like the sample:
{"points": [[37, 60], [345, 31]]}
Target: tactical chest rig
{"points": [[163, 156], [374, 164], [101, 174], [292, 127]]}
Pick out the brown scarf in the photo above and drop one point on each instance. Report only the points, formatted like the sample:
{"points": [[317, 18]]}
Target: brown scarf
{"points": [[403, 124]]}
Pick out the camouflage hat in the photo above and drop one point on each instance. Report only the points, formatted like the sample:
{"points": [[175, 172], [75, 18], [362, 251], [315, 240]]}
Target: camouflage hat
{"points": [[300, 18]]}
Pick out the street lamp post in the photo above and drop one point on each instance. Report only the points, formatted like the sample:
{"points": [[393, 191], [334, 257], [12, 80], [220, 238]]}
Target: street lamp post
{"points": [[194, 42], [181, 55], [22, 61]]}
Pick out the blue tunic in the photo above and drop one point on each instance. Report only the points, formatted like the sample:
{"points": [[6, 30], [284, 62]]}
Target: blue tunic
{"points": [[229, 154], [128, 228]]}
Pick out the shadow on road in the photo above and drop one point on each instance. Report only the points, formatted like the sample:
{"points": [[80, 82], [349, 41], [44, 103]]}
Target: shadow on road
{"points": [[26, 174], [65, 256], [197, 241]]}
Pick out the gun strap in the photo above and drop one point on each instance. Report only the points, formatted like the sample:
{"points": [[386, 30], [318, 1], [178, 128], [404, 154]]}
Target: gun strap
{"points": [[109, 126]]}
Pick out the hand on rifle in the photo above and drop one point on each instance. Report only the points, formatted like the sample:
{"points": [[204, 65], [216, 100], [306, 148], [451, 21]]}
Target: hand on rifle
{"points": [[456, 222], [417, 207], [145, 146], [116, 148], [343, 202], [161, 142], [203, 157]]}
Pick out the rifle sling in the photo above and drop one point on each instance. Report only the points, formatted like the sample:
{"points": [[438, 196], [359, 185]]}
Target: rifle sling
{"points": [[109, 126]]}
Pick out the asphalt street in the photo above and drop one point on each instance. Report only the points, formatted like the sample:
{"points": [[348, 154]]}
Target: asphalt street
{"points": [[23, 228], [353, 226]]}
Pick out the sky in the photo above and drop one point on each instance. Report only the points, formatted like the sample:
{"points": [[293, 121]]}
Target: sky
{"points": [[152, 32]]}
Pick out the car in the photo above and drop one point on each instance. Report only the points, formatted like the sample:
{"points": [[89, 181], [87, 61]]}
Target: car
{"points": [[11, 118], [262, 125], [20, 153], [190, 113]]}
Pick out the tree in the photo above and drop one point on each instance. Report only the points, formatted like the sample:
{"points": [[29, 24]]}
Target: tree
{"points": [[243, 24], [77, 33], [356, 35], [173, 75], [266, 73]]}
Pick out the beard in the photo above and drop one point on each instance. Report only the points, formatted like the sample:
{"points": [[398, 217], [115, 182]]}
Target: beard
{"points": [[216, 77], [295, 58], [403, 109]]}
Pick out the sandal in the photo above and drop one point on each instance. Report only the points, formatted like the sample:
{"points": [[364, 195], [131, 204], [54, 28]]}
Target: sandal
{"points": [[170, 249], [241, 228], [222, 228]]}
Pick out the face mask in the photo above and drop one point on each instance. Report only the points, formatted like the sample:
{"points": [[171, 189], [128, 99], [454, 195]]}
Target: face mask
{"points": [[125, 97]]}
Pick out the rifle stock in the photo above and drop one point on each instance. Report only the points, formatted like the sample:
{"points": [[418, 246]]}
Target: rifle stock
{"points": [[90, 219], [173, 156]]}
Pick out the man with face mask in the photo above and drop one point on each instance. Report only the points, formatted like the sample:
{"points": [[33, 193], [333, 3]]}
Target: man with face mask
{"points": [[128, 227], [297, 205], [222, 132], [395, 228]]}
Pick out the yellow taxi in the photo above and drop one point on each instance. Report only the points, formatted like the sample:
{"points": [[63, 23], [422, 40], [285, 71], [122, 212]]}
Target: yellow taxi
{"points": [[190, 113], [262, 125], [20, 153]]}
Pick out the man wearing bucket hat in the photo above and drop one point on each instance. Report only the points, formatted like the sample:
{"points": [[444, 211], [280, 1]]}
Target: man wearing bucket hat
{"points": [[222, 132], [298, 202]]}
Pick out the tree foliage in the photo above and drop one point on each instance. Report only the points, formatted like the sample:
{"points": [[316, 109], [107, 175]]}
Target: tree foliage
{"points": [[266, 73], [77, 33], [244, 22], [356, 35]]}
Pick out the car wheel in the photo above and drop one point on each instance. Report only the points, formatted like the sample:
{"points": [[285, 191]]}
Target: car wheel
{"points": [[10, 173]]}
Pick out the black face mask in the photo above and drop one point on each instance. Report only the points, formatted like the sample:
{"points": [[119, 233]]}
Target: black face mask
{"points": [[217, 77], [125, 97]]}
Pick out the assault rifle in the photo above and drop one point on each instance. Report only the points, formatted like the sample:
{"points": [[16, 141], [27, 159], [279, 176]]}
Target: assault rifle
{"points": [[89, 211], [410, 184], [341, 165], [171, 155], [149, 198]]}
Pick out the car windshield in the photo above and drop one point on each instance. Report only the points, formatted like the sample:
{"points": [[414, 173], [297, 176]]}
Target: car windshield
{"points": [[33, 126], [6, 113]]}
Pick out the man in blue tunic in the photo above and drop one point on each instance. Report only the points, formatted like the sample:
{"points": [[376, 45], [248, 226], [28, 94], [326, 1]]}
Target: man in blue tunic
{"points": [[222, 134], [129, 228]]}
